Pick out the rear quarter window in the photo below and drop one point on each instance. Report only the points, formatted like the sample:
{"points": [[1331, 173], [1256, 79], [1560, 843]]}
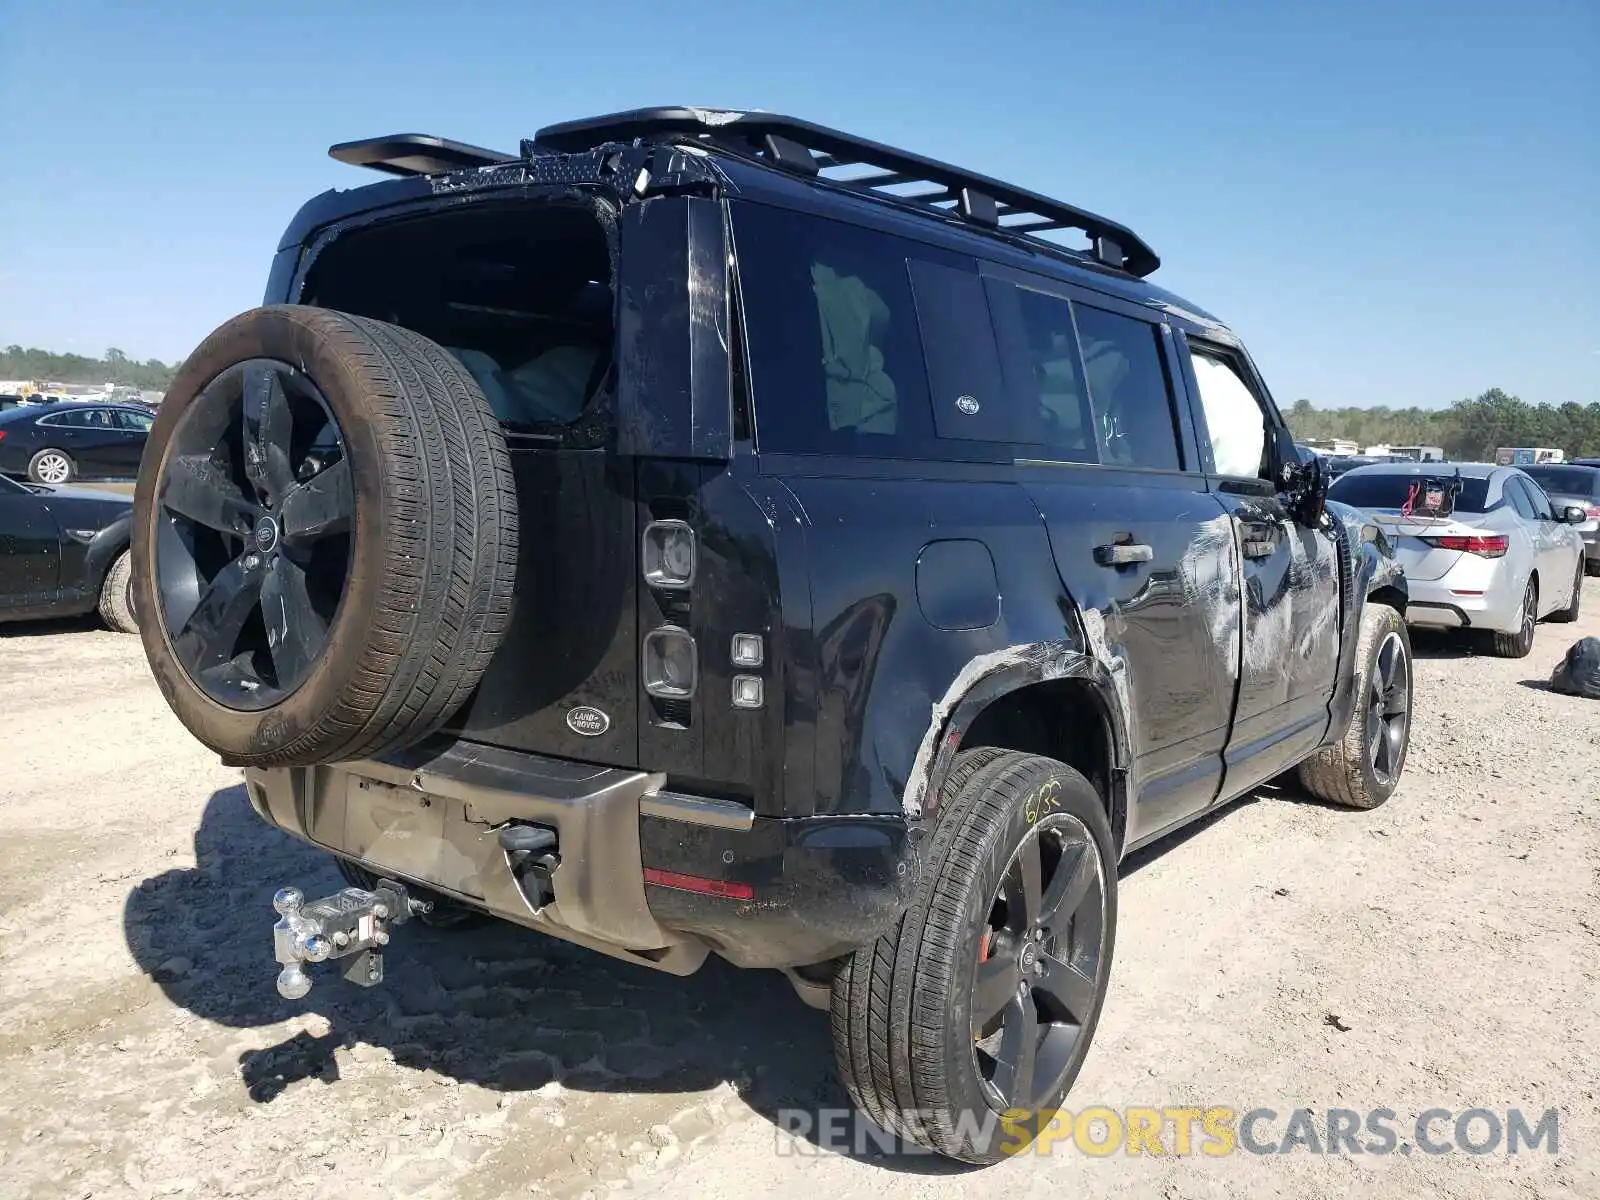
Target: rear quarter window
{"points": [[1390, 490]]}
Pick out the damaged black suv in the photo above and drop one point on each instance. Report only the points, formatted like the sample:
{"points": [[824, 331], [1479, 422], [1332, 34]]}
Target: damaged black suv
{"points": [[706, 532]]}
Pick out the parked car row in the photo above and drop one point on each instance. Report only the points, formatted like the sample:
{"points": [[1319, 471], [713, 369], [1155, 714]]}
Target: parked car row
{"points": [[1485, 548], [73, 440]]}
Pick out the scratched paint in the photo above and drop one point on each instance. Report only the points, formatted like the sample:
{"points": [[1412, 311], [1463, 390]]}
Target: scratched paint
{"points": [[1052, 662], [1211, 585]]}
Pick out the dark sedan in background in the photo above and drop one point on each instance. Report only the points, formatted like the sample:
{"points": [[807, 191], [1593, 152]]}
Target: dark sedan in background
{"points": [[64, 551], [1576, 484], [73, 439]]}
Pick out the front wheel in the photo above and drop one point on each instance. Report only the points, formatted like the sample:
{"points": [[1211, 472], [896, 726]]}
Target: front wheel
{"points": [[964, 1029], [1362, 769], [53, 467], [116, 596]]}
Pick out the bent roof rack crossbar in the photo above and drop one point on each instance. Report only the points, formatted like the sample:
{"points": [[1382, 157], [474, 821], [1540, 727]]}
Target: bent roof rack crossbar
{"points": [[416, 154], [862, 166]]}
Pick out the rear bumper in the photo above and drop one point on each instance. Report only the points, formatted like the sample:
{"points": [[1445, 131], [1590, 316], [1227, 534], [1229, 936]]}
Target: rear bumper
{"points": [[804, 890], [1441, 604]]}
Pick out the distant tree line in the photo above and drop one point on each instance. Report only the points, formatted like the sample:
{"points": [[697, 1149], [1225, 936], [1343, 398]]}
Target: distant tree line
{"points": [[1469, 430], [46, 366]]}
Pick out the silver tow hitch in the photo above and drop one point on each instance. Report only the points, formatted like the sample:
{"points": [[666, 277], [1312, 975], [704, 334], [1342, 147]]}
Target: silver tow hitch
{"points": [[352, 923]]}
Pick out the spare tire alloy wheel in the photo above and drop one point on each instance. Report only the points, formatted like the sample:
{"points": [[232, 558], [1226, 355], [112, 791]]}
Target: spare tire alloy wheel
{"points": [[252, 569], [324, 538]]}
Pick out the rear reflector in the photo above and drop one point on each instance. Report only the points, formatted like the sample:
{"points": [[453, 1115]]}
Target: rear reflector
{"points": [[1492, 545], [693, 883]]}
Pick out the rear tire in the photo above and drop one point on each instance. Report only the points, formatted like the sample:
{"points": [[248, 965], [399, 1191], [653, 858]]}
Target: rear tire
{"points": [[912, 1041], [52, 467], [1362, 769], [1519, 643], [1569, 614], [391, 559], [116, 596]]}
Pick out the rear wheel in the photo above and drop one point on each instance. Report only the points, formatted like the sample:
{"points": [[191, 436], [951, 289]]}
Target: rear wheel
{"points": [[1362, 769], [53, 467], [1519, 643], [1569, 614], [325, 538], [984, 1000]]}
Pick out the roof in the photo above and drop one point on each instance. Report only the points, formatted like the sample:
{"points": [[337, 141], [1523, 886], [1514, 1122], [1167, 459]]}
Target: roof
{"points": [[55, 406], [1432, 470], [797, 164]]}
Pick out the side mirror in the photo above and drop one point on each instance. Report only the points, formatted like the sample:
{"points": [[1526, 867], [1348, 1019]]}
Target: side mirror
{"points": [[1302, 477], [1573, 515]]}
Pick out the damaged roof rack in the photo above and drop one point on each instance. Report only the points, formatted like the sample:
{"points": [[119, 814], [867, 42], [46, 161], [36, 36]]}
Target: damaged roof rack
{"points": [[862, 166], [416, 154]]}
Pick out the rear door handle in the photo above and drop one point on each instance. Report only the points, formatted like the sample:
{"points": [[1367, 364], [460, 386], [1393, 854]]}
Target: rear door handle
{"points": [[1122, 554]]}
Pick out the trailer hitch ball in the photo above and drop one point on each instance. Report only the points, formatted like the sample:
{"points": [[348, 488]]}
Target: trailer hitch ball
{"points": [[351, 923]]}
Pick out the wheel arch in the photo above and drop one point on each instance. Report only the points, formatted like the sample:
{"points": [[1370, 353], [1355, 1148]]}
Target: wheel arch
{"points": [[103, 549], [1026, 704]]}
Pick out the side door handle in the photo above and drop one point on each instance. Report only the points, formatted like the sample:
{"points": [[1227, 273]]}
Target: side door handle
{"points": [[1122, 554]]}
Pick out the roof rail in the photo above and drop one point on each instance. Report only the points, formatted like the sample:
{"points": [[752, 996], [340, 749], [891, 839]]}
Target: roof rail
{"points": [[416, 154], [863, 166]]}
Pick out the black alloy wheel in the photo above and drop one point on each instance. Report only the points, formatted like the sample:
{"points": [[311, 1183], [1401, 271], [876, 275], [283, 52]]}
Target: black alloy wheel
{"points": [[1038, 972], [1389, 710], [253, 543]]}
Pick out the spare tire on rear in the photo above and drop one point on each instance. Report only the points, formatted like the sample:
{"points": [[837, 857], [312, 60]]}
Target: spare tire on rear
{"points": [[325, 538]]}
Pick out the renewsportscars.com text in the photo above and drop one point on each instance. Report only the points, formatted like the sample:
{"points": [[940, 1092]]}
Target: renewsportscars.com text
{"points": [[1182, 1130]]}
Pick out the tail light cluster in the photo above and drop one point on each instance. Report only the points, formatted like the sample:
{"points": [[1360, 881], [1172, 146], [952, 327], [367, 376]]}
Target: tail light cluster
{"points": [[671, 665], [1489, 545], [1593, 510]]}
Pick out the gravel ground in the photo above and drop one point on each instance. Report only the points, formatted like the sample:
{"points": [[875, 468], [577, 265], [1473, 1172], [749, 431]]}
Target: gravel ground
{"points": [[1442, 951]]}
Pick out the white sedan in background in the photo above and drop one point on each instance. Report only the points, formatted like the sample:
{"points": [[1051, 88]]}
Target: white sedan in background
{"points": [[1482, 546]]}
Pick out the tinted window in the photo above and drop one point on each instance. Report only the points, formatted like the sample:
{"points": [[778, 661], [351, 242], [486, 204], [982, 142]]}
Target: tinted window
{"points": [[1541, 502], [1128, 390], [1519, 498], [1390, 489], [836, 358], [1567, 481], [135, 420], [1235, 421], [1048, 373]]}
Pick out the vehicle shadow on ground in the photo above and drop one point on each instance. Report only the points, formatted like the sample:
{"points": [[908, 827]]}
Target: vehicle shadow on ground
{"points": [[495, 1005], [1433, 644], [87, 623]]}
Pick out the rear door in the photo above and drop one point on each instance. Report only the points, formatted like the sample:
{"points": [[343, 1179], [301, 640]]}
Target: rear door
{"points": [[1291, 605], [135, 429], [1144, 548]]}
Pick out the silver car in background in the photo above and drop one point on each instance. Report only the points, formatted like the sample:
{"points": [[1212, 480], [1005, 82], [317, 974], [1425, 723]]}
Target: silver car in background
{"points": [[1574, 485], [1495, 556]]}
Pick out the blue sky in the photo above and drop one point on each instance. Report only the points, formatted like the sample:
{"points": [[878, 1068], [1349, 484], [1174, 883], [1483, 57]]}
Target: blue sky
{"points": [[1392, 202]]}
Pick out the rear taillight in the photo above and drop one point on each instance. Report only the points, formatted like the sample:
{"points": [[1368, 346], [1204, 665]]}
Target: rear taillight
{"points": [[1593, 510], [2, 435], [1492, 545]]}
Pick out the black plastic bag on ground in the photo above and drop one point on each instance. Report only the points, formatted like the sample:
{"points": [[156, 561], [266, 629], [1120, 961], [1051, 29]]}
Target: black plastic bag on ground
{"points": [[1579, 673]]}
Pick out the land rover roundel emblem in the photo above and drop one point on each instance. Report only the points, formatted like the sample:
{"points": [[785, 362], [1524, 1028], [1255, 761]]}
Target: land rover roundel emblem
{"points": [[590, 722], [968, 404]]}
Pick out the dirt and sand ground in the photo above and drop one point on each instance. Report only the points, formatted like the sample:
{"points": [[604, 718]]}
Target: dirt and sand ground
{"points": [[1443, 951]]}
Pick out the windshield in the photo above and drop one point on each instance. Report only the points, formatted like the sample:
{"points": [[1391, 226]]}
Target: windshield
{"points": [[1567, 481], [1389, 489]]}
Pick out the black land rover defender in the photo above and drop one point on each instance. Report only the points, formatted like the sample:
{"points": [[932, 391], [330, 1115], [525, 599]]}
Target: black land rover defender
{"points": [[706, 532]]}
